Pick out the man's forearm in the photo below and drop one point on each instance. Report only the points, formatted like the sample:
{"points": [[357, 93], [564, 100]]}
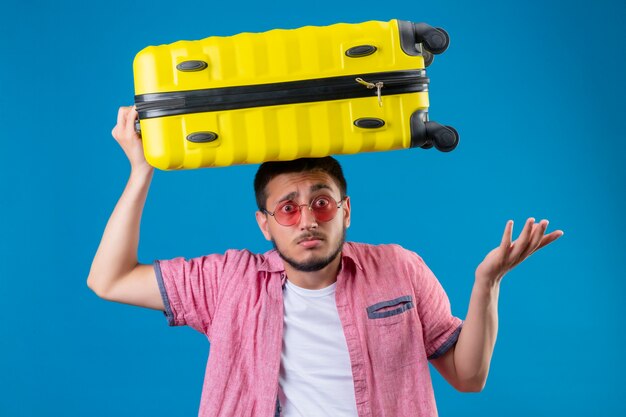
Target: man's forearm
{"points": [[474, 347], [117, 253]]}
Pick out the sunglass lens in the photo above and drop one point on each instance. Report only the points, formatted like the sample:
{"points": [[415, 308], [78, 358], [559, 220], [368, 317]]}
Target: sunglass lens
{"points": [[287, 213], [324, 208]]}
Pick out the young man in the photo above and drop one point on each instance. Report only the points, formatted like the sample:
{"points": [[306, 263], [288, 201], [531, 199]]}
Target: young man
{"points": [[318, 326]]}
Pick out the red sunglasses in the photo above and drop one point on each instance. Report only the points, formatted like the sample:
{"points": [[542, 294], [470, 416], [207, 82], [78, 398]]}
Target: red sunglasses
{"points": [[323, 207]]}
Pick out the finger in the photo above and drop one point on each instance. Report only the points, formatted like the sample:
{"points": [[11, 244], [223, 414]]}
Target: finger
{"points": [[549, 238], [129, 126], [528, 248], [121, 115], [505, 244], [538, 233], [535, 238], [521, 243]]}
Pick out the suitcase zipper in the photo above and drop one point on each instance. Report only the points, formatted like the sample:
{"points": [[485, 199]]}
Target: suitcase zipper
{"points": [[322, 89], [378, 86]]}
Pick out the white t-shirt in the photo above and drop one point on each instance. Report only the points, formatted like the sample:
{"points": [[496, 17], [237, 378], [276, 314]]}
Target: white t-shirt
{"points": [[315, 373]]}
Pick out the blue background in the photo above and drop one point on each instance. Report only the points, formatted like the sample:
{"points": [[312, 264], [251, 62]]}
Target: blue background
{"points": [[536, 91]]}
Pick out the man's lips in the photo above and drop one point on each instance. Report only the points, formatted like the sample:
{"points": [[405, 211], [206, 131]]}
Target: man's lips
{"points": [[310, 241], [310, 237]]}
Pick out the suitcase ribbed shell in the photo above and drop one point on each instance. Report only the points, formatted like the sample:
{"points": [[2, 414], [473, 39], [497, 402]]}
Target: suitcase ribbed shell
{"points": [[277, 132]]}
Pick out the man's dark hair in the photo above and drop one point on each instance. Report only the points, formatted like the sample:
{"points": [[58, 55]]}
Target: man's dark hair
{"points": [[269, 170]]}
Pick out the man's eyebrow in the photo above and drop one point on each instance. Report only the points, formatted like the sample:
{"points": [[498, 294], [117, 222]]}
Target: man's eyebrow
{"points": [[314, 187], [289, 196], [320, 186]]}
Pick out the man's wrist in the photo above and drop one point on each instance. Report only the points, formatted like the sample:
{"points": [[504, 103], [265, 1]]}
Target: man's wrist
{"points": [[143, 171], [487, 284]]}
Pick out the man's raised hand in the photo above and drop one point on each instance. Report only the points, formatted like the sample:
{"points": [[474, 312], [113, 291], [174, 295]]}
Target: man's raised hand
{"points": [[510, 254]]}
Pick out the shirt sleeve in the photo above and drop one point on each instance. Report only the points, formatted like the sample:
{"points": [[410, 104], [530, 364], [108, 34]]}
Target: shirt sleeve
{"points": [[440, 328], [190, 288]]}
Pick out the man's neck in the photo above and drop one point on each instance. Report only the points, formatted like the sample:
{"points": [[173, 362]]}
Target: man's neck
{"points": [[314, 280]]}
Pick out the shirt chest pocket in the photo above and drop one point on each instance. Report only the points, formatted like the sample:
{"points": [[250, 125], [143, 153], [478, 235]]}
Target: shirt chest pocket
{"points": [[393, 334], [390, 311]]}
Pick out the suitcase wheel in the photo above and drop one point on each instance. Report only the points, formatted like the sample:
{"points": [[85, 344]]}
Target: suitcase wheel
{"points": [[444, 138], [435, 40], [427, 145], [428, 57]]}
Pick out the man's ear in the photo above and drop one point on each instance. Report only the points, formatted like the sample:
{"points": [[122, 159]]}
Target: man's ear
{"points": [[261, 219], [346, 212]]}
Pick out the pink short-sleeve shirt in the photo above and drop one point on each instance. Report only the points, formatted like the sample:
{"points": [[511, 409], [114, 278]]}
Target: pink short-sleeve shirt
{"points": [[393, 310]]}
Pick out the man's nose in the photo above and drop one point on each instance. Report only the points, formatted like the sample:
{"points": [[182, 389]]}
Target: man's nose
{"points": [[307, 219]]}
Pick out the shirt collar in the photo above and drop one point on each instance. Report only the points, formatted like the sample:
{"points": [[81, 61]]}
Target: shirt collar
{"points": [[272, 261]]}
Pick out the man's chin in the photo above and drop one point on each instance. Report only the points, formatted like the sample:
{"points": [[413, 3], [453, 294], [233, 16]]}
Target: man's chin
{"points": [[314, 263], [310, 265]]}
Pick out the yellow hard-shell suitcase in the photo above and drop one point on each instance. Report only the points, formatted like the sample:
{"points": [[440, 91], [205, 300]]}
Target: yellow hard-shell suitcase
{"points": [[286, 94]]}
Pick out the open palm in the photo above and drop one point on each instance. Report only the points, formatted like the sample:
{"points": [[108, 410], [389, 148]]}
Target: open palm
{"points": [[510, 254]]}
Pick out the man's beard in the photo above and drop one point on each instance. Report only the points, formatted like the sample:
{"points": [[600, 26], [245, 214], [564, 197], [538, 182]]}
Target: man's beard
{"points": [[313, 264]]}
